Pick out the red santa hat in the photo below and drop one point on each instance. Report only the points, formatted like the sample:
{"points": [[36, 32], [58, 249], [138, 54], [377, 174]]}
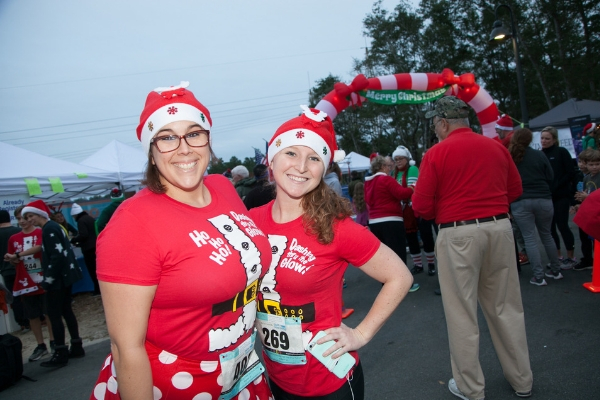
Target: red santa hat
{"points": [[37, 207], [505, 123], [169, 104], [589, 128], [314, 129], [373, 155]]}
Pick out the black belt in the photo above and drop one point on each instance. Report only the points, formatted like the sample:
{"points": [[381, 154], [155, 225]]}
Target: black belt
{"points": [[240, 300], [473, 221], [305, 312]]}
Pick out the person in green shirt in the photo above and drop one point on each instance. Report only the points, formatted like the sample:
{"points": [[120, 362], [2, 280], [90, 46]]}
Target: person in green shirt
{"points": [[116, 198]]}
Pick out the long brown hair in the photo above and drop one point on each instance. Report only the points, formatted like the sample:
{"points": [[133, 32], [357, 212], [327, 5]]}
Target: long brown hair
{"points": [[322, 207], [358, 197], [518, 143]]}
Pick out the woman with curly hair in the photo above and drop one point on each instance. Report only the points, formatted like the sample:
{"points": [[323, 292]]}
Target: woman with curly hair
{"points": [[313, 239], [534, 208]]}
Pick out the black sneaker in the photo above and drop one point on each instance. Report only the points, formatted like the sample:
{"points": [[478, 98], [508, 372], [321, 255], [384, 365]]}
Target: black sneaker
{"points": [[417, 269], [431, 269], [40, 351], [581, 266], [60, 358]]}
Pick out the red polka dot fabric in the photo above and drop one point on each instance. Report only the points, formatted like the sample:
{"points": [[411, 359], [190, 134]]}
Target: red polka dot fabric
{"points": [[178, 378]]}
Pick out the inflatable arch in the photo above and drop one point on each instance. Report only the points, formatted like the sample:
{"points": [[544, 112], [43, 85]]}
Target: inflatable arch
{"points": [[421, 87]]}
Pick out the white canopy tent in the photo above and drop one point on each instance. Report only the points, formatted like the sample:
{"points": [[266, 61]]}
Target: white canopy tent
{"points": [[28, 174], [126, 161], [354, 162]]}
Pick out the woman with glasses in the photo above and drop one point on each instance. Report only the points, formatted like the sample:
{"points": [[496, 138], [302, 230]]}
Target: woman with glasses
{"points": [[179, 266]]}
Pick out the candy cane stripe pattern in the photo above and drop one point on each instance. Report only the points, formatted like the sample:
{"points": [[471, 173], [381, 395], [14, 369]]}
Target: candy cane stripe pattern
{"points": [[464, 87]]}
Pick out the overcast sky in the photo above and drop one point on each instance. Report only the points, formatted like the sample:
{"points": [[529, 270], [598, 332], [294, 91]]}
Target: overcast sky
{"points": [[76, 73]]}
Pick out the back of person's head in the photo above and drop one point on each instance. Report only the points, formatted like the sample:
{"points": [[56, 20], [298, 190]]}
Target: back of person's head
{"points": [[116, 194], [354, 175], [260, 171], [334, 167], [4, 216], [358, 197], [521, 139], [377, 163], [241, 171]]}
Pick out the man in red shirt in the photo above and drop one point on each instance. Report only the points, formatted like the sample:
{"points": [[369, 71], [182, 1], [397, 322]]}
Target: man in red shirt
{"points": [[466, 183]]}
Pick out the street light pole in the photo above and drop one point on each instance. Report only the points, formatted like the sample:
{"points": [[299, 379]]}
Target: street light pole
{"points": [[499, 34]]}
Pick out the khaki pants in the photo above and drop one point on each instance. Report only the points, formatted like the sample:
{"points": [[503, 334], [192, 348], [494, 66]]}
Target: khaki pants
{"points": [[477, 262]]}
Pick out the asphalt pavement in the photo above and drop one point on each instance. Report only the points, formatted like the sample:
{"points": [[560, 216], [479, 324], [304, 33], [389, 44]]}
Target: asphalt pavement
{"points": [[409, 357]]}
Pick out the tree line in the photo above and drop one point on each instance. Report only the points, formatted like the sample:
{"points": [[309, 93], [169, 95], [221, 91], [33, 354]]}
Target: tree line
{"points": [[559, 51]]}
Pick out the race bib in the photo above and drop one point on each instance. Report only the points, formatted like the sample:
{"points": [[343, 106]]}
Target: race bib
{"points": [[239, 367], [34, 268], [281, 338]]}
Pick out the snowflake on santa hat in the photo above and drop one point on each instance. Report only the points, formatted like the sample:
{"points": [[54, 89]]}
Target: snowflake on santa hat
{"points": [[202, 117], [300, 134], [278, 142], [172, 110], [324, 150], [150, 126]]}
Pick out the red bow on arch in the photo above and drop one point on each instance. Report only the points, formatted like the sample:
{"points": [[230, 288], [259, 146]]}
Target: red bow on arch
{"points": [[359, 83], [464, 80]]}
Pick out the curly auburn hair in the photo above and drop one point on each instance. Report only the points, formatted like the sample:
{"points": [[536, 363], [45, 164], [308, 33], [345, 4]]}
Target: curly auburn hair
{"points": [[518, 143], [322, 207]]}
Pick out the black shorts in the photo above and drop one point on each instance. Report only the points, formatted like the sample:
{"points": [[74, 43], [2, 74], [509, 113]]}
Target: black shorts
{"points": [[34, 306]]}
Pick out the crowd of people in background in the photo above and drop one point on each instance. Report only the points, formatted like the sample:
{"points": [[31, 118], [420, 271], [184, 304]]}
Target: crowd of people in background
{"points": [[476, 203]]}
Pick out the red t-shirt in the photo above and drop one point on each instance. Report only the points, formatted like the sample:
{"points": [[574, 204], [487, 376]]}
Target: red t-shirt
{"points": [[310, 274], [204, 261]]}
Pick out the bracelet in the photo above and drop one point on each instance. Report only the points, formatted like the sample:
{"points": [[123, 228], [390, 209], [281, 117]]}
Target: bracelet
{"points": [[17, 254]]}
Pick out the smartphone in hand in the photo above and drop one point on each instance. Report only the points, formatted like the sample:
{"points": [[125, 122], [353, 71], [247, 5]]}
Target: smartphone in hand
{"points": [[339, 366]]}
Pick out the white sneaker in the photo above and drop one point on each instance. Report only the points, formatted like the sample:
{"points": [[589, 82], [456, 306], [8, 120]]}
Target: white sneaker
{"points": [[455, 391], [568, 263]]}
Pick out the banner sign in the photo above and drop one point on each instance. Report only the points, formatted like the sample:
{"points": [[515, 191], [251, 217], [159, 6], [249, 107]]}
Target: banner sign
{"points": [[390, 97]]}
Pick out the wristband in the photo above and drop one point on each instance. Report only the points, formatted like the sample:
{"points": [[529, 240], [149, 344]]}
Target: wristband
{"points": [[17, 254]]}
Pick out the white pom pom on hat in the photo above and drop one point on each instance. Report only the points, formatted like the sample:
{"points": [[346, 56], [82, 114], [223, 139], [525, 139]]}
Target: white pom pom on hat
{"points": [[402, 151], [314, 129], [589, 128]]}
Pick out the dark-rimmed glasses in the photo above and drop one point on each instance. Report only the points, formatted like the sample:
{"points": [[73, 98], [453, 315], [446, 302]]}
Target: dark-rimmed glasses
{"points": [[169, 143]]}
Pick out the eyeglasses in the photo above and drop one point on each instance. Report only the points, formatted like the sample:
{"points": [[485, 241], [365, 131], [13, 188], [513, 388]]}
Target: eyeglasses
{"points": [[432, 126], [169, 143]]}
